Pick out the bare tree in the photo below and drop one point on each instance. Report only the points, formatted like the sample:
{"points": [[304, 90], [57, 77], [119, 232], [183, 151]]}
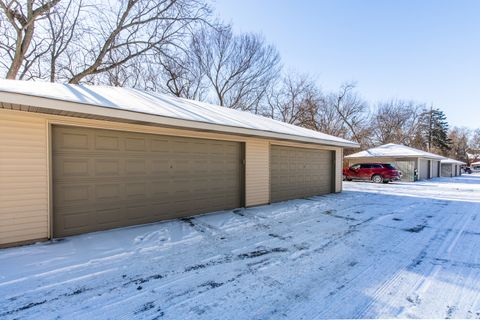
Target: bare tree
{"points": [[460, 143], [350, 108], [184, 78], [397, 121], [473, 146], [179, 73], [343, 114], [475, 140], [18, 36], [240, 68], [64, 29], [299, 101], [120, 31], [293, 100]]}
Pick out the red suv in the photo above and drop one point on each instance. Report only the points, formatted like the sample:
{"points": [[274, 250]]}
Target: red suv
{"points": [[376, 172]]}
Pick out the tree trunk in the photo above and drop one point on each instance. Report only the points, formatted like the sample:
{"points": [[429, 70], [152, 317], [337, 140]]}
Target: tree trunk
{"points": [[23, 42]]}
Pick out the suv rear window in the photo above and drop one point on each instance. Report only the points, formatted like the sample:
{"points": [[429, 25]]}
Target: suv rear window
{"points": [[389, 166], [370, 165]]}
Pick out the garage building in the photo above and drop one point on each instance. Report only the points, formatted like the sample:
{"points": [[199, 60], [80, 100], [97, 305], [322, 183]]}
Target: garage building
{"points": [[475, 166], [451, 167], [404, 158], [77, 159]]}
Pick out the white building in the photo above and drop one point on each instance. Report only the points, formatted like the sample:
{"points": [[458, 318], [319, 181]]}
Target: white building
{"points": [[406, 159]]}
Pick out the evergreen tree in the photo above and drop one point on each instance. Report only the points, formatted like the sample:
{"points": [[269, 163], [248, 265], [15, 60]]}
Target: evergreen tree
{"points": [[435, 125]]}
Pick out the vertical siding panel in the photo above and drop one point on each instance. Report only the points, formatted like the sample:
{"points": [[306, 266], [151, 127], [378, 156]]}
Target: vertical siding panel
{"points": [[257, 172], [338, 170], [24, 176]]}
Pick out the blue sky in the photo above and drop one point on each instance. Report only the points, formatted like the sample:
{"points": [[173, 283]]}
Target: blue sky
{"points": [[428, 50]]}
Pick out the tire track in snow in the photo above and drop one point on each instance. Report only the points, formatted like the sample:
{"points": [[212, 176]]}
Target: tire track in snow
{"points": [[392, 265], [444, 240]]}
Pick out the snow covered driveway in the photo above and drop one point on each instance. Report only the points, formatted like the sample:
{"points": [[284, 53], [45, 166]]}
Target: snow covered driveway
{"points": [[397, 250]]}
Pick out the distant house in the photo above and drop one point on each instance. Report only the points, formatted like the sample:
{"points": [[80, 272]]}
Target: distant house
{"points": [[450, 167], [404, 158]]}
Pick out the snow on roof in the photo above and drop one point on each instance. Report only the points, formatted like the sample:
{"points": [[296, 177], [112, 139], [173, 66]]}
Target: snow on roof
{"points": [[453, 161], [394, 151], [165, 106], [475, 163]]}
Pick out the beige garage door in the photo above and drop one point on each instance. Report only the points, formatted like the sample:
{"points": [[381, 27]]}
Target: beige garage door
{"points": [[436, 169], [300, 172], [447, 170], [424, 172], [105, 179]]}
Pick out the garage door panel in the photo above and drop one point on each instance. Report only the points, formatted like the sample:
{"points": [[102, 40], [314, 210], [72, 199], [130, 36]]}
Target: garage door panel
{"points": [[107, 167], [135, 167], [105, 142], [111, 216], [112, 179], [70, 140], [76, 220], [110, 191], [135, 144], [136, 190], [180, 147], [73, 168], [160, 166], [159, 145], [300, 172], [137, 212], [75, 194]]}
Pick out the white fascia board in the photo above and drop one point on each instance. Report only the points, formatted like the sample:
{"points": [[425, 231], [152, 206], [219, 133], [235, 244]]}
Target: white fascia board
{"points": [[68, 106]]}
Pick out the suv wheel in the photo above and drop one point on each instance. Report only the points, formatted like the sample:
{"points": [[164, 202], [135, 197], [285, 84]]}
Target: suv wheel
{"points": [[377, 178]]}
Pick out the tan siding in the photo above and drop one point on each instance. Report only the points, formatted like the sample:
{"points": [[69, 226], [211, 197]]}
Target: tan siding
{"points": [[257, 172], [339, 170], [23, 178]]}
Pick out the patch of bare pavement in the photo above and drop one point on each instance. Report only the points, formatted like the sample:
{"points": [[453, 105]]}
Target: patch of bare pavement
{"points": [[374, 251]]}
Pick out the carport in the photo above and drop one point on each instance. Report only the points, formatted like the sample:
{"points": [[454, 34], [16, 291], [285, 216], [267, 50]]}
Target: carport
{"points": [[406, 159], [475, 165]]}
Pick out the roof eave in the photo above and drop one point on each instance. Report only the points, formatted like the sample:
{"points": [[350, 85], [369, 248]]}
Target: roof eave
{"points": [[352, 156], [84, 108]]}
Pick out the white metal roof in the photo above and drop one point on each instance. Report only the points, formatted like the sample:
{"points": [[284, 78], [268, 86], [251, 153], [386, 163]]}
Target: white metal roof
{"points": [[392, 150], [453, 161], [161, 107]]}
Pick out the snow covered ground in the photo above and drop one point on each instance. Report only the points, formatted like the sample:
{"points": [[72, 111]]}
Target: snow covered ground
{"points": [[375, 250]]}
